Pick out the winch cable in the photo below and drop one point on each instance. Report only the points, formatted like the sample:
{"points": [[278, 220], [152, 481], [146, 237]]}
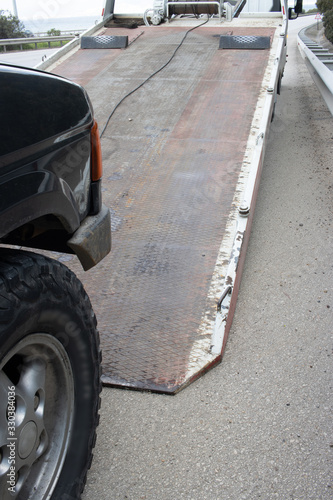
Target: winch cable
{"points": [[151, 76]]}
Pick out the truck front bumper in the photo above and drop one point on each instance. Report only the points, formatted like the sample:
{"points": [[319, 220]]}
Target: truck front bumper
{"points": [[92, 240]]}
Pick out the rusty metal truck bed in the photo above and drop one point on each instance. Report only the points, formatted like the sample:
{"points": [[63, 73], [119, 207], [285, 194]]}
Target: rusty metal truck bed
{"points": [[182, 158]]}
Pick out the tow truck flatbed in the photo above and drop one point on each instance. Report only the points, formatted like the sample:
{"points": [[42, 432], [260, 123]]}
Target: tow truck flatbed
{"points": [[182, 160]]}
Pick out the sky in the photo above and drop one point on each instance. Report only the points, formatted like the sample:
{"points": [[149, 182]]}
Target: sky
{"points": [[28, 9]]}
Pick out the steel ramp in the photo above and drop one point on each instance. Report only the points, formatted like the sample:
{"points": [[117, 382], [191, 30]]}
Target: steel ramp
{"points": [[173, 178]]}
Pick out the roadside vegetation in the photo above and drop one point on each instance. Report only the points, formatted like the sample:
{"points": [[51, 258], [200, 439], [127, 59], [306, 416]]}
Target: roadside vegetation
{"points": [[325, 7], [43, 45], [310, 12], [54, 32], [12, 27]]}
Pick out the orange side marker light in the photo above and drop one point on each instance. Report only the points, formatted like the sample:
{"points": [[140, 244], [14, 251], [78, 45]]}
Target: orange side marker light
{"points": [[96, 154]]}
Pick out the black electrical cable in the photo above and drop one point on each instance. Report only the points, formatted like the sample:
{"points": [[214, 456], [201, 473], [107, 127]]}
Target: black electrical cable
{"points": [[151, 76]]}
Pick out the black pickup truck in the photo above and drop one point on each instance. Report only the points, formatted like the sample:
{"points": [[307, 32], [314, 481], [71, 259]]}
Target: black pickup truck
{"points": [[50, 199]]}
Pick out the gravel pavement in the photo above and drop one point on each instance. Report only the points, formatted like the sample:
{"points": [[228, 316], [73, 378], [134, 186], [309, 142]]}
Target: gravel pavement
{"points": [[258, 426]]}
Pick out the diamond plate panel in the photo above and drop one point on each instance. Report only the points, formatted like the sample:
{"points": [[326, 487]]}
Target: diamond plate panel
{"points": [[244, 42], [104, 42]]}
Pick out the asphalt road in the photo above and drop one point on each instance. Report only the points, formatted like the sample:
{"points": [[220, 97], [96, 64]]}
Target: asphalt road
{"points": [[258, 426], [26, 58]]}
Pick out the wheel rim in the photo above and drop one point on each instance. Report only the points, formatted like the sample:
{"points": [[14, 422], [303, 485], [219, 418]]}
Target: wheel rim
{"points": [[36, 415]]}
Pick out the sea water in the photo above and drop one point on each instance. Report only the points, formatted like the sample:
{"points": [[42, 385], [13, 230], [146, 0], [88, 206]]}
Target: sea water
{"points": [[60, 23]]}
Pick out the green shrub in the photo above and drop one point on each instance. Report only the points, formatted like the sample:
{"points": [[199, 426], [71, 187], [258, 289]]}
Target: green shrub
{"points": [[10, 26], [54, 32], [326, 8], [328, 24], [324, 5]]}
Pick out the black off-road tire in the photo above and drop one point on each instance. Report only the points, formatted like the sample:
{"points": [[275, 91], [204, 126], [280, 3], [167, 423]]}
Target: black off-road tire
{"points": [[49, 379]]}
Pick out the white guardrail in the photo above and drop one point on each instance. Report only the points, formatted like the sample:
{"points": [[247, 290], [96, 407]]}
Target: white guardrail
{"points": [[35, 40], [319, 62], [72, 42]]}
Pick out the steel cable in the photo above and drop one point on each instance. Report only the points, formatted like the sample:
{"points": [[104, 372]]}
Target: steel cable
{"points": [[151, 76]]}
